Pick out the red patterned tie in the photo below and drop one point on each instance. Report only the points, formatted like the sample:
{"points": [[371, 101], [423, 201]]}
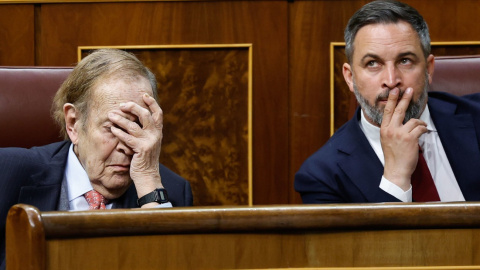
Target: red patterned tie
{"points": [[423, 187], [95, 200]]}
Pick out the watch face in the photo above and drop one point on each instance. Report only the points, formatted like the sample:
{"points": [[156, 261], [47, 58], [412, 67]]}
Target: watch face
{"points": [[158, 195], [162, 194]]}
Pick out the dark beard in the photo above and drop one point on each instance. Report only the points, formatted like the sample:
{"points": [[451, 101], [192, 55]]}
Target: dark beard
{"points": [[375, 113]]}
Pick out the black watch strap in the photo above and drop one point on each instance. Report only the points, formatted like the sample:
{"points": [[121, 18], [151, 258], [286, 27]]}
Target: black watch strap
{"points": [[159, 195]]}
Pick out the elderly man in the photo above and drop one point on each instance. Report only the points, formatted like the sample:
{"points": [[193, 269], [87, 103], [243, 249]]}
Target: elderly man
{"points": [[107, 111], [375, 156]]}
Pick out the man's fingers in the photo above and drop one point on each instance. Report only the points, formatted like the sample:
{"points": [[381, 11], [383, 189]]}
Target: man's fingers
{"points": [[128, 139], [143, 114], [152, 104], [126, 124], [136, 125], [418, 131], [416, 127], [390, 107], [153, 116], [402, 106]]}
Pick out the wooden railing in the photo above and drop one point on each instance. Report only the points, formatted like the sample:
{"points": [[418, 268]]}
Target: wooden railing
{"points": [[402, 236]]}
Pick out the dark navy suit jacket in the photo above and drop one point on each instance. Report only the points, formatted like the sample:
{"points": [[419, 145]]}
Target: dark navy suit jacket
{"points": [[34, 176], [347, 170]]}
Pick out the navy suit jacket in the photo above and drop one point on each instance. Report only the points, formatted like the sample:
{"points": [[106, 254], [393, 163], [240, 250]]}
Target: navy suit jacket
{"points": [[34, 176], [347, 170]]}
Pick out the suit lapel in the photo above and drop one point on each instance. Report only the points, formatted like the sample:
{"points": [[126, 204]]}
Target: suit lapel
{"points": [[360, 163], [459, 139], [45, 198], [43, 190]]}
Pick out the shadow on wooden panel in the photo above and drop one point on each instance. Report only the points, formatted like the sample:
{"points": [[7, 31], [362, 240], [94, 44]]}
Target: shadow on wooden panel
{"points": [[205, 94], [340, 95]]}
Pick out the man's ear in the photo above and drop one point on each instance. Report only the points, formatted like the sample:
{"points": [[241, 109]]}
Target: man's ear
{"points": [[348, 75], [430, 67], [72, 123]]}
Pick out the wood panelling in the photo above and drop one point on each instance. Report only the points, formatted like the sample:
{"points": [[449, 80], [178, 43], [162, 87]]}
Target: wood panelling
{"points": [[17, 35], [272, 250], [205, 96], [291, 60], [344, 101], [347, 235], [261, 23], [313, 25]]}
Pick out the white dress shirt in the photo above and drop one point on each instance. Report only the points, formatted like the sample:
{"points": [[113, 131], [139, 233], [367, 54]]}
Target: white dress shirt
{"points": [[434, 154], [78, 184]]}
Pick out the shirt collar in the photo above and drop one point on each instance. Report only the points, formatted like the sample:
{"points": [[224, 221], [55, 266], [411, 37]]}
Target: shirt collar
{"points": [[371, 132], [77, 179], [425, 117]]}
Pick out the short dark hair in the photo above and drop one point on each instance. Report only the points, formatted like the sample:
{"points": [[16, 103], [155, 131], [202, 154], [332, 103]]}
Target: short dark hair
{"points": [[384, 12], [77, 88]]}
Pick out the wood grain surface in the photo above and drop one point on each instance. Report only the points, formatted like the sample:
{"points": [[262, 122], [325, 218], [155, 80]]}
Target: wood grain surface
{"points": [[291, 58], [356, 235]]}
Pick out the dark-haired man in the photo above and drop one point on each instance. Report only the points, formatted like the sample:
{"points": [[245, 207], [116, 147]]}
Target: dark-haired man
{"points": [[375, 157]]}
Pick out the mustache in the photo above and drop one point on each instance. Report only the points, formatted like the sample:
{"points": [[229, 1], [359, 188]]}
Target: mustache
{"points": [[384, 95]]}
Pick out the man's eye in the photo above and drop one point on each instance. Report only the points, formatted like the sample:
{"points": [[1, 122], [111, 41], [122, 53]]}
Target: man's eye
{"points": [[117, 126], [405, 61], [108, 128], [372, 63]]}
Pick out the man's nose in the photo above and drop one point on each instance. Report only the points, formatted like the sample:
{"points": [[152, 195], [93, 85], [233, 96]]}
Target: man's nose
{"points": [[122, 147], [392, 77]]}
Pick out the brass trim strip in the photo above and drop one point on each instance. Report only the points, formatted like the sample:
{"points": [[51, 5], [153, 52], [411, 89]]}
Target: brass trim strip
{"points": [[250, 123]]}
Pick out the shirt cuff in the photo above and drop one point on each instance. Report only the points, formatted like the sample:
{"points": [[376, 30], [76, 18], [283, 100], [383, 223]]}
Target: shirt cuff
{"points": [[164, 205], [396, 191]]}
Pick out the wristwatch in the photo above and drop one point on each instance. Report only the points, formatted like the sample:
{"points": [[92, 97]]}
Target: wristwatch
{"points": [[159, 195]]}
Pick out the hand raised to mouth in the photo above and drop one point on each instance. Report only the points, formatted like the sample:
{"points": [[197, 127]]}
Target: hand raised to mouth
{"points": [[400, 141]]}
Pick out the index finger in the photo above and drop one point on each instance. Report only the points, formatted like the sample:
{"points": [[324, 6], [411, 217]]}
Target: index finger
{"points": [[153, 106], [398, 115], [390, 106]]}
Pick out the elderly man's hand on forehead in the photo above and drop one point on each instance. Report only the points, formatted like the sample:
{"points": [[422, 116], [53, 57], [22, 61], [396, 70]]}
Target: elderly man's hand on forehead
{"points": [[145, 140]]}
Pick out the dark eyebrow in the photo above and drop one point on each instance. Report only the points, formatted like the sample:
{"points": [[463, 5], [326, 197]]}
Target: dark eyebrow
{"points": [[402, 55], [374, 56]]}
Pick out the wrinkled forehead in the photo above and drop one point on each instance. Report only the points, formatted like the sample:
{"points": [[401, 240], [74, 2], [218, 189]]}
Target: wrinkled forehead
{"points": [[386, 36], [109, 92]]}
